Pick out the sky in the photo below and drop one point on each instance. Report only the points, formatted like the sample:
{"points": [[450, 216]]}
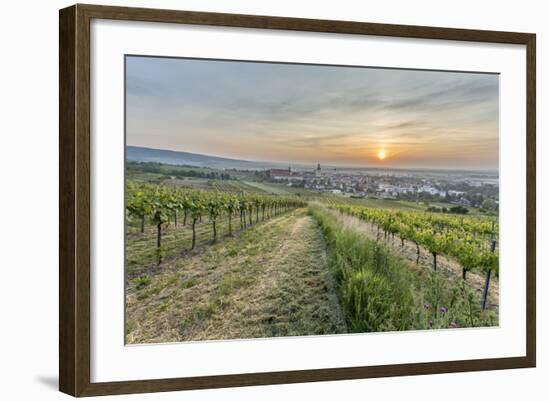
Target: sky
{"points": [[305, 114]]}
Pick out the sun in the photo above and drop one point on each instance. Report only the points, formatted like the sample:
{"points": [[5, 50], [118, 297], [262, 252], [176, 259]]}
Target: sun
{"points": [[381, 154]]}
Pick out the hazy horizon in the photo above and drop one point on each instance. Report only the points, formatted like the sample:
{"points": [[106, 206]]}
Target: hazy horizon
{"points": [[291, 113], [314, 165]]}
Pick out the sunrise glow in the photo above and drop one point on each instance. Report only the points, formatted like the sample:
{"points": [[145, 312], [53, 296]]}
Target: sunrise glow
{"points": [[304, 114]]}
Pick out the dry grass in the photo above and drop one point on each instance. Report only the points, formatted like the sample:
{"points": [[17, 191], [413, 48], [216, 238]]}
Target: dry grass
{"points": [[270, 281]]}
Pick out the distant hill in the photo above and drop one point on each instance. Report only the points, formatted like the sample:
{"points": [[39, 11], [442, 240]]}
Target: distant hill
{"points": [[140, 154]]}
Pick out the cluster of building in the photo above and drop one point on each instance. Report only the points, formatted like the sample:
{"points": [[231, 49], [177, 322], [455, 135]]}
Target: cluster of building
{"points": [[324, 181], [360, 184]]}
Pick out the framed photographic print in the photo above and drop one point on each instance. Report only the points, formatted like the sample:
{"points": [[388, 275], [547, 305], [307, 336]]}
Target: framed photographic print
{"points": [[250, 200]]}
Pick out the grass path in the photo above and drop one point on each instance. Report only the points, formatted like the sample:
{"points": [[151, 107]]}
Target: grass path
{"points": [[272, 280]]}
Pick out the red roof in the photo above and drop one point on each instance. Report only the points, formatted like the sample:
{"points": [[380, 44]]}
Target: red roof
{"points": [[280, 172]]}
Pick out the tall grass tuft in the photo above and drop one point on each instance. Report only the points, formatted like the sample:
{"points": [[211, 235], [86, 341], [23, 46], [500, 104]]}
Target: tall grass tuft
{"points": [[378, 292]]}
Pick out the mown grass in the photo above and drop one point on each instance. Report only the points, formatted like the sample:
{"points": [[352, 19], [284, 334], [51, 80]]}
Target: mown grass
{"points": [[269, 281], [378, 291], [373, 202], [399, 204], [141, 250], [280, 189]]}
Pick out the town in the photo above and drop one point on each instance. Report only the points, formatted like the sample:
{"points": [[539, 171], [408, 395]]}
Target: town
{"points": [[469, 189]]}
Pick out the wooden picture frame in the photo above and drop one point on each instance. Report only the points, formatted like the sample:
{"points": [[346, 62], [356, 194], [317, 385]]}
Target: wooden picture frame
{"points": [[74, 199]]}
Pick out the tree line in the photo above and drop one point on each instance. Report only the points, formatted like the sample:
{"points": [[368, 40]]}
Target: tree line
{"points": [[179, 172]]}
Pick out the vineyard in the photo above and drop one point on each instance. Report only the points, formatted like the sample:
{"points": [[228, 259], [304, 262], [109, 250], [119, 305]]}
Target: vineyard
{"points": [[378, 291], [233, 261], [161, 205], [471, 241]]}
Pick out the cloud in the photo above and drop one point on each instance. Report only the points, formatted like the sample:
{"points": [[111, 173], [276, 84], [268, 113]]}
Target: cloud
{"points": [[242, 109]]}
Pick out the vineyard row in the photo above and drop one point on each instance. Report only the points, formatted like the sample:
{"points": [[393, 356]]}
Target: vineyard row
{"points": [[159, 204], [470, 241]]}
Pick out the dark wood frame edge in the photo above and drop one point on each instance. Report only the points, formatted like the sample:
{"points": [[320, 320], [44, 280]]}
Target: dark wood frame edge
{"points": [[74, 199]]}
